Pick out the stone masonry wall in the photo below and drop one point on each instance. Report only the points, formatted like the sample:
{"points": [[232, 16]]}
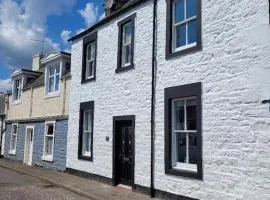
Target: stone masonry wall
{"points": [[234, 68], [126, 93], [60, 142]]}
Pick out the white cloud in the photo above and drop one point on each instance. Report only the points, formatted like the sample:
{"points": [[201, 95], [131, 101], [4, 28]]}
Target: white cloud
{"points": [[65, 35], [101, 16], [80, 30], [89, 14], [5, 85], [21, 22]]}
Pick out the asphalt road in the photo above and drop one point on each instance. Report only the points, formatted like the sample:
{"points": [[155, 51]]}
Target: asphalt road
{"points": [[15, 186]]}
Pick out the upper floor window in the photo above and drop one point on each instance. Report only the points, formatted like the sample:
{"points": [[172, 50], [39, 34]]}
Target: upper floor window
{"points": [[183, 146], [53, 80], [17, 89], [183, 27], [126, 44], [89, 58], [86, 131]]}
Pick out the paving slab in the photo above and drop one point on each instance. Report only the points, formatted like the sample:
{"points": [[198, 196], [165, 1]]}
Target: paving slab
{"points": [[84, 187]]}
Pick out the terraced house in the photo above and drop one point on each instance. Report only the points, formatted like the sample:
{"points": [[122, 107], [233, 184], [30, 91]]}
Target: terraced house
{"points": [[170, 97], [37, 112]]}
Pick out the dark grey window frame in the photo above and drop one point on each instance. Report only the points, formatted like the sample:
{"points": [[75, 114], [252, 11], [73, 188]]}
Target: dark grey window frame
{"points": [[168, 52], [119, 68], [171, 93], [87, 40], [85, 106]]}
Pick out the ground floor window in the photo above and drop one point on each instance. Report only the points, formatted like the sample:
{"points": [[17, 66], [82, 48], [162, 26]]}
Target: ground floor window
{"points": [[183, 130], [85, 149], [13, 138], [49, 141]]}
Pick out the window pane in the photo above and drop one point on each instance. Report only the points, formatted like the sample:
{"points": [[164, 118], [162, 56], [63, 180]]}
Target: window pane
{"points": [[57, 70], [57, 82], [15, 130], [179, 115], [93, 51], [51, 84], [86, 121], [51, 71], [191, 114], [50, 129], [181, 36], [127, 33], [126, 54], [13, 141], [192, 148], [191, 8], [181, 147], [89, 69], [192, 31], [88, 52], [179, 11], [86, 142], [49, 145]]}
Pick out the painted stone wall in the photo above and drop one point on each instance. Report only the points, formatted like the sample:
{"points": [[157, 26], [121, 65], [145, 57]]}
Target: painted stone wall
{"points": [[41, 107], [234, 68], [126, 93], [60, 142]]}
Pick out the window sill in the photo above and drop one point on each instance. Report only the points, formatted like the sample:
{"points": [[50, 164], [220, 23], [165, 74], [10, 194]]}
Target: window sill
{"points": [[51, 95], [12, 152], [184, 173], [16, 102], [123, 69], [184, 51], [88, 80], [88, 158], [47, 158]]}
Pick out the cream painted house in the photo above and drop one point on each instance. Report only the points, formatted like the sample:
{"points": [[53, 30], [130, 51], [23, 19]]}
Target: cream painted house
{"points": [[37, 112]]}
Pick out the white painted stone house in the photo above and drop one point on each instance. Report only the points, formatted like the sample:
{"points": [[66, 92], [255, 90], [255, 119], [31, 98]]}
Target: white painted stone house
{"points": [[183, 116]]}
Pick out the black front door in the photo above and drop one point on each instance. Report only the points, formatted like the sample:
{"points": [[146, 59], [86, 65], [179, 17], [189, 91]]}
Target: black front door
{"points": [[124, 151]]}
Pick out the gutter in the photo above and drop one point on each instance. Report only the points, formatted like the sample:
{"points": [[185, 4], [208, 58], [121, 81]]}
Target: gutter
{"points": [[153, 98], [114, 15]]}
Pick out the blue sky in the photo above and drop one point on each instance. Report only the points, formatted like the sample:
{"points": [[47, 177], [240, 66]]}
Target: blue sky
{"points": [[21, 21]]}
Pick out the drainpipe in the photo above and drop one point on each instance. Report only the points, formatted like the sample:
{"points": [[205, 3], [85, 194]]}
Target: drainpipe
{"points": [[64, 96], [153, 98], [1, 137]]}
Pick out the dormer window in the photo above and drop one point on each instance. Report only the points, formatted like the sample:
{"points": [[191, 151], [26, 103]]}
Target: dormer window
{"points": [[17, 89], [53, 75]]}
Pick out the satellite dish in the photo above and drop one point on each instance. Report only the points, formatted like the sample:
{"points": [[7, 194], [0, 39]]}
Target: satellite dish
{"points": [[108, 3]]}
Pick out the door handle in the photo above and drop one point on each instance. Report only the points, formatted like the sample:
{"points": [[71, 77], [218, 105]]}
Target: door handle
{"points": [[125, 159]]}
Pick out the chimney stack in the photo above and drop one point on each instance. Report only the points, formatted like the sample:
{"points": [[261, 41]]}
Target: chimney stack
{"points": [[36, 62], [112, 6]]}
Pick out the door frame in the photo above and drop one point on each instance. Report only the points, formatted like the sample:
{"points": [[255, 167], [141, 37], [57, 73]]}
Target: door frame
{"points": [[25, 141], [115, 120]]}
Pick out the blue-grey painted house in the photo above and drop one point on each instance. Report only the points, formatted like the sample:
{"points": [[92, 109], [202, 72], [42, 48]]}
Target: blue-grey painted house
{"points": [[37, 112]]}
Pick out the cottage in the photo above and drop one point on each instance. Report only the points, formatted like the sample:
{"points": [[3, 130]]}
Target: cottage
{"points": [[37, 112], [166, 97]]}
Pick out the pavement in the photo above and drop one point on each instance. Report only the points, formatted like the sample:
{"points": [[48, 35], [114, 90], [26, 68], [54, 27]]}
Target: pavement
{"points": [[18, 181]]}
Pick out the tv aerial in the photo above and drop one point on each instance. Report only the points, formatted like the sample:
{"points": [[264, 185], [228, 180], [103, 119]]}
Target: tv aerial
{"points": [[42, 44]]}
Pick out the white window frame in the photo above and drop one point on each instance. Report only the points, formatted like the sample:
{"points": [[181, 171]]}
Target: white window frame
{"points": [[129, 43], [13, 151], [90, 124], [179, 165], [175, 25], [15, 88], [47, 80], [88, 61], [45, 156]]}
